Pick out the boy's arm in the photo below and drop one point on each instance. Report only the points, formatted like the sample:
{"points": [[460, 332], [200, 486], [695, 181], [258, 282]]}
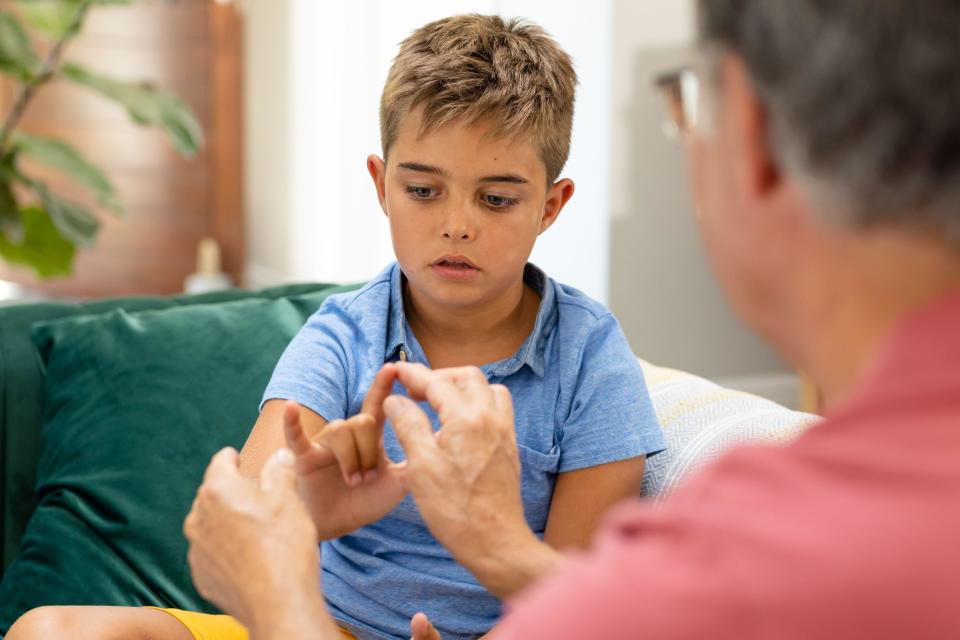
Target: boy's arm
{"points": [[582, 497], [611, 428], [267, 435]]}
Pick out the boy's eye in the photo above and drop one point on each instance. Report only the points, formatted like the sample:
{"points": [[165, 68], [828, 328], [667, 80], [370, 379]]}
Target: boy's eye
{"points": [[499, 202], [422, 193]]}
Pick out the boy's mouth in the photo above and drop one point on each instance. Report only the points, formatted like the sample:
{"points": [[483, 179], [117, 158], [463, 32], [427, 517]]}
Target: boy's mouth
{"points": [[454, 262], [454, 267]]}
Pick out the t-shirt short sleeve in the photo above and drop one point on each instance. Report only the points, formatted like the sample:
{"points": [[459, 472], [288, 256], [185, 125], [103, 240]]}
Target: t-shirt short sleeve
{"points": [[316, 367], [611, 416]]}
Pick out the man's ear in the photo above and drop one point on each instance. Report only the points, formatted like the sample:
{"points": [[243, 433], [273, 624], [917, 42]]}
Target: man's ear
{"points": [[748, 125], [377, 169], [558, 196]]}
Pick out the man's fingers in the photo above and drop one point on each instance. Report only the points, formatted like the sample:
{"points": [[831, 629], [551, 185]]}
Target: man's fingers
{"points": [[297, 440], [220, 473], [467, 377], [441, 387], [380, 389], [502, 400], [412, 427], [416, 378], [422, 383], [223, 463], [339, 438], [278, 474]]}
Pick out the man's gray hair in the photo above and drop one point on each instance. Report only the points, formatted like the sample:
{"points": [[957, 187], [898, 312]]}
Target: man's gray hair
{"points": [[863, 100]]}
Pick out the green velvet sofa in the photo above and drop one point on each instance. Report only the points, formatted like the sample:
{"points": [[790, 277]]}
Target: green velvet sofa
{"points": [[109, 412]]}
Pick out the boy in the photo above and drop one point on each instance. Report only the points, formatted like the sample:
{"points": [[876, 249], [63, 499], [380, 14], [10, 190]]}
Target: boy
{"points": [[475, 124]]}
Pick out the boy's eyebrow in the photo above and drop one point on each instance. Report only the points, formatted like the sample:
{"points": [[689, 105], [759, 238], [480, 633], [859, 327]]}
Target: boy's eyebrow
{"points": [[510, 177], [423, 168], [437, 171]]}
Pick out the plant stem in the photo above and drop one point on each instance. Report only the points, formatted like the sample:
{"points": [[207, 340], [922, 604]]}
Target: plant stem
{"points": [[47, 70]]}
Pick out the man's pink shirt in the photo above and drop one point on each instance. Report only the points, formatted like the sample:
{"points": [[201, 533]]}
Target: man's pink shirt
{"points": [[853, 531]]}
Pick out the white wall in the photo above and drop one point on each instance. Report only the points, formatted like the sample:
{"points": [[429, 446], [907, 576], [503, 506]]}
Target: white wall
{"points": [[318, 190], [661, 287], [268, 161]]}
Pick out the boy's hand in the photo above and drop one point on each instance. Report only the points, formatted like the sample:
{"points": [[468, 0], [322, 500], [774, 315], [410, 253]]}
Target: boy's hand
{"points": [[344, 475], [422, 629]]}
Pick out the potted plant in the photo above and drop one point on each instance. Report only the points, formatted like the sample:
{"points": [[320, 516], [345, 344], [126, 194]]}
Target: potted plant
{"points": [[40, 229]]}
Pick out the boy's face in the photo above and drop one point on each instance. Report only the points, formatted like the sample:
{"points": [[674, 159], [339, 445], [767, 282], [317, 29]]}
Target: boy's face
{"points": [[465, 210]]}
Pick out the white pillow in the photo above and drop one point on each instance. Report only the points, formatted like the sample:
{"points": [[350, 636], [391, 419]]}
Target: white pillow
{"points": [[701, 420]]}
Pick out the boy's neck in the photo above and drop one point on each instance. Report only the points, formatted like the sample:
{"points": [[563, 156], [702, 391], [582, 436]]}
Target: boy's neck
{"points": [[458, 336]]}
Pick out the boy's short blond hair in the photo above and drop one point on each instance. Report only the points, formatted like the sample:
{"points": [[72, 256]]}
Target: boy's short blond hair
{"points": [[510, 74]]}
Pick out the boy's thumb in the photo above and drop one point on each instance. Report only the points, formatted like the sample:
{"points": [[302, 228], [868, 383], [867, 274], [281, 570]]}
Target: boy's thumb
{"points": [[278, 473], [422, 628]]}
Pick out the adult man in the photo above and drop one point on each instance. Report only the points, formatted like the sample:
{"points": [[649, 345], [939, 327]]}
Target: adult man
{"points": [[826, 165]]}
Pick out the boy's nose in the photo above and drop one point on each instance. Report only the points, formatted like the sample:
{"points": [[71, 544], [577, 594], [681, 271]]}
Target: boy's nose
{"points": [[457, 226], [460, 235]]}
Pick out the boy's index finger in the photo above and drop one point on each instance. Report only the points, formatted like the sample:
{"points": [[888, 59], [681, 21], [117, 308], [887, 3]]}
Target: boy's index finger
{"points": [[380, 390]]}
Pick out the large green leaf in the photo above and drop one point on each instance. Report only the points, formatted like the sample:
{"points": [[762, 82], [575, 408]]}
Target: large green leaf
{"points": [[11, 226], [43, 248], [53, 18], [147, 105], [16, 50], [75, 222], [61, 156], [50, 17]]}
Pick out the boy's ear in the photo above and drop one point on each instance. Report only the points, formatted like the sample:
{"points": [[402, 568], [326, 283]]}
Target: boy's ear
{"points": [[558, 196], [377, 169]]}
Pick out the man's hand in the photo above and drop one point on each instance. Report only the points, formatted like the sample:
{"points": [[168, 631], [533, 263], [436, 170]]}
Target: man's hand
{"points": [[253, 549], [344, 476], [466, 478]]}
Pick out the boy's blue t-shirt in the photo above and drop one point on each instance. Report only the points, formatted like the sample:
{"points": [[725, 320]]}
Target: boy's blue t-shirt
{"points": [[580, 401]]}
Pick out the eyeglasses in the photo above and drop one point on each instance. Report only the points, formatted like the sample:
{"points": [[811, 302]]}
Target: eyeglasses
{"points": [[680, 90]]}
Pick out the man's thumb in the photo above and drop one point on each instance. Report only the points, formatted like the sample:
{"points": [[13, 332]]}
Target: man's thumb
{"points": [[278, 473], [411, 425]]}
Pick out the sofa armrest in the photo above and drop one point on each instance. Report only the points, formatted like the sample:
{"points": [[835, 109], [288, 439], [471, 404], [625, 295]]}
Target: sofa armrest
{"points": [[701, 420]]}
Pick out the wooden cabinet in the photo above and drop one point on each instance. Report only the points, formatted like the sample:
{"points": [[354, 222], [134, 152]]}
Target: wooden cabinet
{"points": [[194, 49]]}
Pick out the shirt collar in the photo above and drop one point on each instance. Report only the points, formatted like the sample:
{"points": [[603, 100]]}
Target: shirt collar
{"points": [[533, 350], [531, 353], [396, 319]]}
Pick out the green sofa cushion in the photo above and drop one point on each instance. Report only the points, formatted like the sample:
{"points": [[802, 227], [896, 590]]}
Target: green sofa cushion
{"points": [[134, 406], [21, 385]]}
